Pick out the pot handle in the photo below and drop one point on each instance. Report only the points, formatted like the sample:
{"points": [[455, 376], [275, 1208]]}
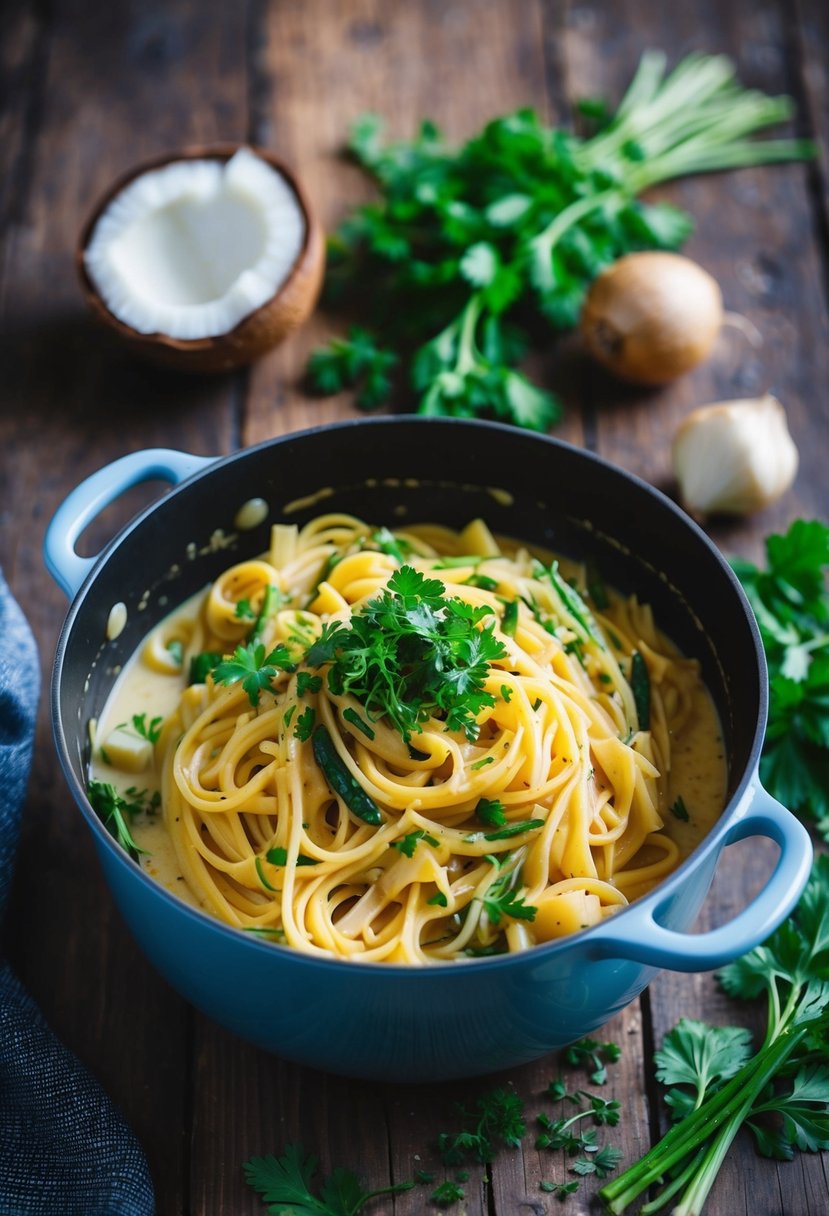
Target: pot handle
{"points": [[87, 500], [639, 937]]}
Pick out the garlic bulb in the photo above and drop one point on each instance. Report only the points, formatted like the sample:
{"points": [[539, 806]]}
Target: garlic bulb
{"points": [[734, 456]]}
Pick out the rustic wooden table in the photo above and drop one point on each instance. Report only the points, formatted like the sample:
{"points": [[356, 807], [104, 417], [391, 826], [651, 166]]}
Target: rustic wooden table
{"points": [[92, 89]]}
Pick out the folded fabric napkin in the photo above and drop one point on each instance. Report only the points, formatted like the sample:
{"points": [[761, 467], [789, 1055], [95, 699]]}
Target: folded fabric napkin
{"points": [[64, 1148]]}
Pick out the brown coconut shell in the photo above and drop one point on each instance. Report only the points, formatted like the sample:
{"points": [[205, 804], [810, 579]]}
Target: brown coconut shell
{"points": [[255, 334]]}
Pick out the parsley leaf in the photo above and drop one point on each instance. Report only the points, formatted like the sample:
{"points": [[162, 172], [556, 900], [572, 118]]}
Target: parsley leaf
{"points": [[496, 1115], [500, 899], [147, 730], [354, 362], [791, 605], [286, 1185], [593, 1056], [253, 667], [112, 809]]}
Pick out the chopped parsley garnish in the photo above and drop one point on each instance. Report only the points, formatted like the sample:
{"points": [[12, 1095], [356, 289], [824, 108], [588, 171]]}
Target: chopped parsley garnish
{"points": [[253, 667], [244, 611], [500, 899], [491, 812], [412, 653], [113, 809], [509, 621], [356, 361], [147, 730], [201, 665], [593, 1056], [680, 810], [305, 724], [640, 685], [306, 683], [278, 856], [388, 543], [407, 844]]}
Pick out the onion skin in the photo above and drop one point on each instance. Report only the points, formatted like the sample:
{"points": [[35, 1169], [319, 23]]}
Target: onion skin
{"points": [[651, 317]]}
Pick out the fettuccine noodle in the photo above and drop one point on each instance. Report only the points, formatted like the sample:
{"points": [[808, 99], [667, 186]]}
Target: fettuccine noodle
{"points": [[546, 821]]}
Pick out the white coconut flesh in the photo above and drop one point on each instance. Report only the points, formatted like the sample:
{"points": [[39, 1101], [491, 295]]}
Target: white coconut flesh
{"points": [[191, 249]]}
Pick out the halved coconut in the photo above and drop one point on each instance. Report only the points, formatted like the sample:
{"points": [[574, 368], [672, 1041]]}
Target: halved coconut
{"points": [[203, 259]]}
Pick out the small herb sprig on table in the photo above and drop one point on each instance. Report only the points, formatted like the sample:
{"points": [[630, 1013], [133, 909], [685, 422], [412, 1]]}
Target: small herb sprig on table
{"points": [[468, 248], [781, 1092], [791, 604], [287, 1186]]}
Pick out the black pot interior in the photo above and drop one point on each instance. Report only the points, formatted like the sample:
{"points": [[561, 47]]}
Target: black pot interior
{"points": [[397, 470]]}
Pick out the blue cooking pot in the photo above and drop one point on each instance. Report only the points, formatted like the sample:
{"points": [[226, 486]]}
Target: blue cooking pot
{"points": [[458, 1019]]}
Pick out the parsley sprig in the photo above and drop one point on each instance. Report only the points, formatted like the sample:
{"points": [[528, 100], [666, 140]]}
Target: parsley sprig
{"points": [[791, 605], [287, 1186], [412, 653], [781, 1092], [467, 248], [254, 667], [115, 810]]}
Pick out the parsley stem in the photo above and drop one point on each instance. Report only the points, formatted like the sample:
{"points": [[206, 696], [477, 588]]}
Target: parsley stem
{"points": [[467, 356], [549, 236]]}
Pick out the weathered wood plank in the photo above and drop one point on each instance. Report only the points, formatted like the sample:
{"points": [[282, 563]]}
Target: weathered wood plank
{"points": [[810, 35], [459, 64], [116, 83], [756, 233]]}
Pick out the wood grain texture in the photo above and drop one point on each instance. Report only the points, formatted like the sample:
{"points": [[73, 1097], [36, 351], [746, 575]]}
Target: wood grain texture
{"points": [[107, 85], [90, 91]]}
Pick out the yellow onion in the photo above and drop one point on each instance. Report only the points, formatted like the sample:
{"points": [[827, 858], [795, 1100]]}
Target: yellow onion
{"points": [[650, 317]]}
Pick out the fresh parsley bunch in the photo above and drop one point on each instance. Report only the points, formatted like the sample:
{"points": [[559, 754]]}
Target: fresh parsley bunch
{"points": [[781, 1092], [467, 249], [790, 602]]}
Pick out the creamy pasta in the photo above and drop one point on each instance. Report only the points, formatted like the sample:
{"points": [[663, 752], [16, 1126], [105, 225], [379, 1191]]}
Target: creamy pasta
{"points": [[347, 788]]}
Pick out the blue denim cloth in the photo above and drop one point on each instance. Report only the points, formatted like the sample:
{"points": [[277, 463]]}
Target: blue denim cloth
{"points": [[64, 1148]]}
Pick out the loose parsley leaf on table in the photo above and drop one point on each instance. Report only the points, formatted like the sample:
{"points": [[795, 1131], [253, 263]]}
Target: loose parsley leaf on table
{"points": [[791, 604], [497, 1115], [593, 1056], [285, 1184], [467, 249]]}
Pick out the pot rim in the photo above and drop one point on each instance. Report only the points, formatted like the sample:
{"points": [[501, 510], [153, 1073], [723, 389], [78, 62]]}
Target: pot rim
{"points": [[712, 842]]}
